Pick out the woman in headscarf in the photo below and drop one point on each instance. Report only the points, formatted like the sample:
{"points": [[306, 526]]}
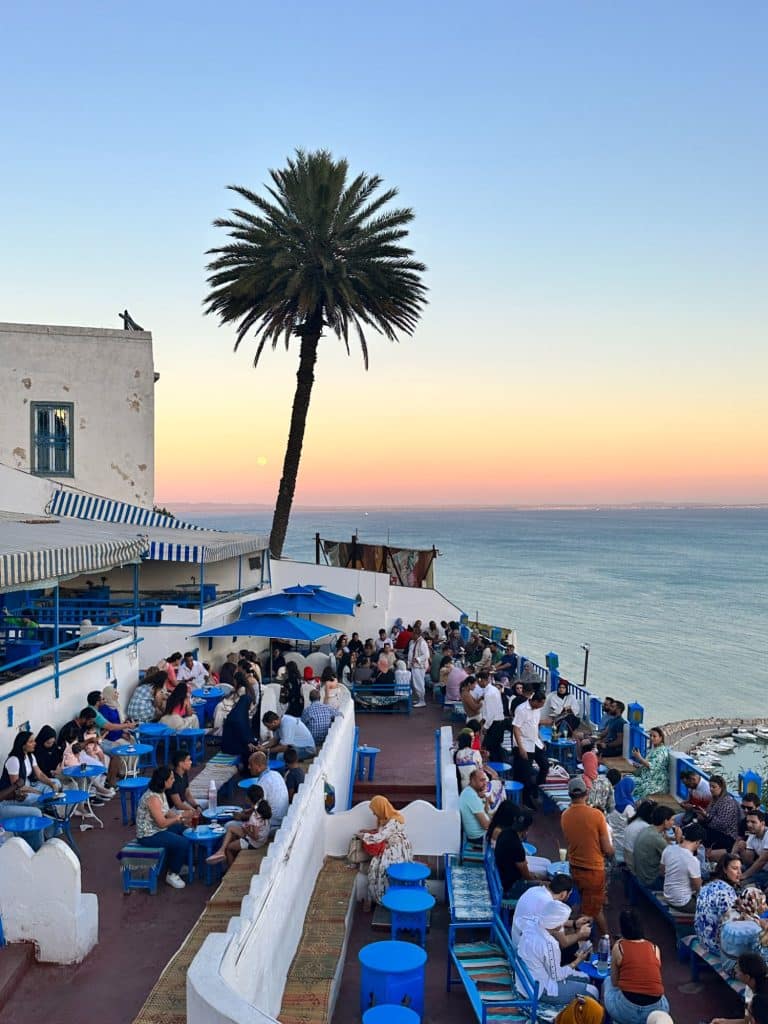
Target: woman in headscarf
{"points": [[290, 691], [237, 730], [387, 844], [540, 952], [47, 753], [110, 706]]}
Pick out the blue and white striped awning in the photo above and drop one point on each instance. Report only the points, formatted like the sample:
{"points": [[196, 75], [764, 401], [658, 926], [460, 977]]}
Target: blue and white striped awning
{"points": [[42, 565], [79, 505], [211, 550]]}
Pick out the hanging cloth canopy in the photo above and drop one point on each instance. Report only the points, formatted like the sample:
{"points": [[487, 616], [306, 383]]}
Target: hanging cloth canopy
{"points": [[276, 627]]}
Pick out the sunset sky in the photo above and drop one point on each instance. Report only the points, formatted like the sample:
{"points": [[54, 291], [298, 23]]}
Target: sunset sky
{"points": [[589, 183]]}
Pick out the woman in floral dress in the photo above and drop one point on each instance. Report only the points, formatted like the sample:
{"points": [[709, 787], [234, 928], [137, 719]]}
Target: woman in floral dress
{"points": [[397, 847], [714, 902], [653, 776]]}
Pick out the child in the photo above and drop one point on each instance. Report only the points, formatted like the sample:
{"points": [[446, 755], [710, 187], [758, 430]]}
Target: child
{"points": [[589, 763], [250, 836], [294, 775]]}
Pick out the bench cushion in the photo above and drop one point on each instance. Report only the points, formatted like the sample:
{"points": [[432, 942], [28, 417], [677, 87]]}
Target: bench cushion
{"points": [[469, 897]]}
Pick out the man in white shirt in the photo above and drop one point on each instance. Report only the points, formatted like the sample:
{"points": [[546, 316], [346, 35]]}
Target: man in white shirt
{"points": [[418, 663], [682, 870], [534, 900], [754, 852], [494, 722], [273, 784], [191, 671], [530, 757], [288, 732]]}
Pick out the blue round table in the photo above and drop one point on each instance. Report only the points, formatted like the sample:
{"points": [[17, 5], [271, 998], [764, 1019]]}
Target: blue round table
{"points": [[224, 813], [131, 791], [408, 875], [366, 762], [589, 967], [155, 734], [409, 908], [514, 791], [68, 801], [211, 695], [132, 753], [203, 840], [25, 824], [83, 775], [500, 767], [390, 1014], [391, 973]]}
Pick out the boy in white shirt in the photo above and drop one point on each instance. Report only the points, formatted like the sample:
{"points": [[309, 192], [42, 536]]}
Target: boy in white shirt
{"points": [[682, 870]]}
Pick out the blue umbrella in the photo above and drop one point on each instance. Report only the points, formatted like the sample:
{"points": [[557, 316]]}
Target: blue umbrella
{"points": [[277, 627], [302, 600]]}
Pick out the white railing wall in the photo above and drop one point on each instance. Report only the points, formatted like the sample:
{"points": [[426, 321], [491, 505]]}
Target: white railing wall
{"points": [[238, 978], [431, 832], [448, 778]]}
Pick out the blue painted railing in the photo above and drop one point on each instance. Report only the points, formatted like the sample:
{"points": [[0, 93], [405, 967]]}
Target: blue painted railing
{"points": [[353, 769]]}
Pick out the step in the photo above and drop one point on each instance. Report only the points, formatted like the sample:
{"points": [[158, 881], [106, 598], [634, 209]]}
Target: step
{"points": [[399, 794], [15, 960]]}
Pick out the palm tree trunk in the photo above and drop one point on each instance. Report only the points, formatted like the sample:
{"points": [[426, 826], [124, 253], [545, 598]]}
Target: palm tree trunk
{"points": [[305, 378]]}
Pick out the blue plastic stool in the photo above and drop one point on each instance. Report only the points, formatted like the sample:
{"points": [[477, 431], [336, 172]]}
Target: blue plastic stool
{"points": [[131, 791], [514, 791], [390, 1013], [408, 875], [194, 740], [366, 762], [565, 752], [140, 866], [392, 975], [154, 734], [408, 908]]}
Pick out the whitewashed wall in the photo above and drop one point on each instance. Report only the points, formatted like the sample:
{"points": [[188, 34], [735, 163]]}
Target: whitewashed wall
{"points": [[41, 901], [240, 977], [381, 603], [431, 832], [108, 376], [450, 783], [39, 705]]}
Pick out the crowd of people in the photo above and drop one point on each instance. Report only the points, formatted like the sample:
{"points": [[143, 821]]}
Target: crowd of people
{"points": [[709, 857]]}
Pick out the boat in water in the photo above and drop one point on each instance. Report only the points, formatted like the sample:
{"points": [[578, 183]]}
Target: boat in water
{"points": [[742, 735], [761, 734]]}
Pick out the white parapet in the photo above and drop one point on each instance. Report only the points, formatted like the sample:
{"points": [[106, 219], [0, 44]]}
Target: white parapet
{"points": [[431, 832], [41, 901]]}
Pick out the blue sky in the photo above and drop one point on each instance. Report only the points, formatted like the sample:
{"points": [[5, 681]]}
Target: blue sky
{"points": [[589, 183]]}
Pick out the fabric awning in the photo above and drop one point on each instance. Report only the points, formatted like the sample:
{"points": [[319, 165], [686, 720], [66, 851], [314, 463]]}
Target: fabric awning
{"points": [[79, 505], [276, 627], [302, 600], [44, 566]]}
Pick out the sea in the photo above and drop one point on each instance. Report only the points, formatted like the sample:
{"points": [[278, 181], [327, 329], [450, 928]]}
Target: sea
{"points": [[672, 602]]}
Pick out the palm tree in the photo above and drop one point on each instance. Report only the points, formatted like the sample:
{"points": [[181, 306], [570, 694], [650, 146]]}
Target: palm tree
{"points": [[323, 253]]}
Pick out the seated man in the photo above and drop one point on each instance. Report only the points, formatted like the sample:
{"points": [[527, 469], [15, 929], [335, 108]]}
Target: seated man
{"points": [[651, 844], [288, 732], [610, 741], [191, 671], [753, 850], [681, 869], [318, 716], [474, 807], [178, 795], [273, 785], [294, 776]]}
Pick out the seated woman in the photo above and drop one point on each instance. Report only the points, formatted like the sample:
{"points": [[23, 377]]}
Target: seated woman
{"points": [[507, 831], [237, 735], [387, 844], [22, 771], [141, 706], [331, 688], [160, 693], [653, 776], [635, 987], [715, 901], [540, 951], [110, 709], [178, 710], [47, 752], [561, 709], [252, 835], [721, 820], [156, 825], [88, 752], [290, 691]]}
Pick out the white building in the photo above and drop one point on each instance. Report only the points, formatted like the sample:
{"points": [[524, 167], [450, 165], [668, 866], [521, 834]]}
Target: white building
{"points": [[78, 407]]}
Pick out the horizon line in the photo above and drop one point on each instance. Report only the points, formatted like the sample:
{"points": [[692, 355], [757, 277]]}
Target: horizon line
{"points": [[636, 506]]}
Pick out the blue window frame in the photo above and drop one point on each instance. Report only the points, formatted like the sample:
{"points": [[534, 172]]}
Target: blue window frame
{"points": [[52, 447]]}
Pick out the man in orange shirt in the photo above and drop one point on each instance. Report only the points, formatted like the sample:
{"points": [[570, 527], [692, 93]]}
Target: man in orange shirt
{"points": [[589, 843]]}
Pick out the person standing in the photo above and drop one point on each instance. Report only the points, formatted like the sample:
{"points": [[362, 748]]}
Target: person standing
{"points": [[589, 843], [418, 663], [530, 757]]}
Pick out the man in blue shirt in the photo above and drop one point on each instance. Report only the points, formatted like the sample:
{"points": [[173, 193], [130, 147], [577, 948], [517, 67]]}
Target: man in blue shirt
{"points": [[473, 807], [610, 741], [318, 717]]}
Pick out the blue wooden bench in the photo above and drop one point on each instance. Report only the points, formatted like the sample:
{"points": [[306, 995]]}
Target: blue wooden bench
{"points": [[698, 955], [682, 923], [140, 866], [498, 984]]}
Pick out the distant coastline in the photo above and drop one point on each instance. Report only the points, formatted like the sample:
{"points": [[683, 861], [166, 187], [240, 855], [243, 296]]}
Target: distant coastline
{"points": [[215, 507]]}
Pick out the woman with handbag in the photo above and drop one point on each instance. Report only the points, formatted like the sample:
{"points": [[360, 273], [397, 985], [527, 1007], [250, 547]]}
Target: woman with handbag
{"points": [[386, 844]]}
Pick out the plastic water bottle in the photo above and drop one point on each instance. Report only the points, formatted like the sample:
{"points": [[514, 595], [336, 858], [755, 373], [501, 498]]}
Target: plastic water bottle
{"points": [[604, 950], [212, 796]]}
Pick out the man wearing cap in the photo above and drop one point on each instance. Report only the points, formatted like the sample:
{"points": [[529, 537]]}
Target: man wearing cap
{"points": [[589, 843]]}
